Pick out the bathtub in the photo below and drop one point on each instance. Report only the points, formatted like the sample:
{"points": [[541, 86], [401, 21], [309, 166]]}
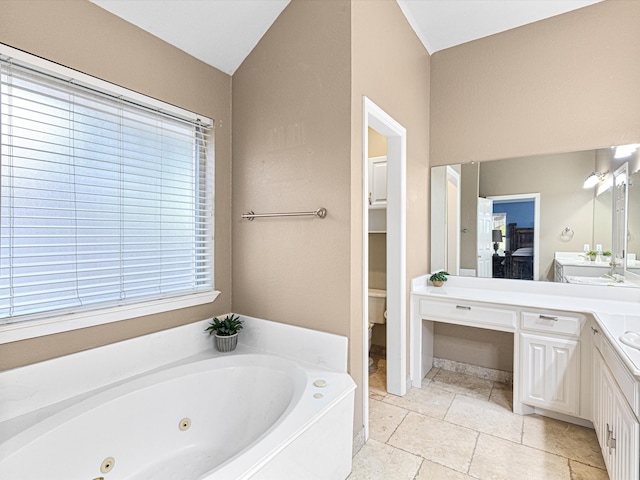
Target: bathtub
{"points": [[231, 417]]}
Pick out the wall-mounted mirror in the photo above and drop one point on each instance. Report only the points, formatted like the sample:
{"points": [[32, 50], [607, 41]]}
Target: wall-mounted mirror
{"points": [[633, 222], [540, 211]]}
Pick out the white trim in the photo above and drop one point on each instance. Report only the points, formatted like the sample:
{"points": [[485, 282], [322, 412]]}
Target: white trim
{"points": [[82, 78], [376, 118], [37, 328]]}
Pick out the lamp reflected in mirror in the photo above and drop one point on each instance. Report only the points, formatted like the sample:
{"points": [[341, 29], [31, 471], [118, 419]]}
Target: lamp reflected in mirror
{"points": [[496, 237]]}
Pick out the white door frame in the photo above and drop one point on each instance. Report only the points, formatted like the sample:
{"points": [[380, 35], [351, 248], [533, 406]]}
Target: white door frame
{"points": [[396, 134], [536, 223]]}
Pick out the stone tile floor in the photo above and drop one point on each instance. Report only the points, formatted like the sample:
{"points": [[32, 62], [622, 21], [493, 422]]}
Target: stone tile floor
{"points": [[459, 427]]}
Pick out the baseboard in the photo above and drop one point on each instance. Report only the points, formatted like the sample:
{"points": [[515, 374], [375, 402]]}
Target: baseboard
{"points": [[474, 370]]}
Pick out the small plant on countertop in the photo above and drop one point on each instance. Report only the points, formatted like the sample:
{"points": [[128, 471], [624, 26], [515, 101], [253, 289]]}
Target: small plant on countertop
{"points": [[439, 277], [591, 254], [229, 325], [606, 253]]}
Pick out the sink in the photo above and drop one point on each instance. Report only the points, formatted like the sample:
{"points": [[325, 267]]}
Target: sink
{"points": [[631, 338], [597, 281]]}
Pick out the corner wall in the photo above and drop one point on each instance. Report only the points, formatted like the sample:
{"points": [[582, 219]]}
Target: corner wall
{"points": [[82, 36], [291, 153], [567, 83]]}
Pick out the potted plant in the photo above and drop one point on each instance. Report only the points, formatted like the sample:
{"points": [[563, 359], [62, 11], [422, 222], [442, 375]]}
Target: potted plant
{"points": [[225, 332], [591, 254], [606, 256], [438, 278]]}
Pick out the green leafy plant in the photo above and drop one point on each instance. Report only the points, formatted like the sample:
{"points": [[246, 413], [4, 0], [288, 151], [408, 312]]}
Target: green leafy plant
{"points": [[606, 253], [229, 325], [591, 253], [440, 276]]}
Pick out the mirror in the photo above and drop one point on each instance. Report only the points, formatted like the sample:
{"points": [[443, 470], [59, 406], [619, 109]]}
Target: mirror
{"points": [[566, 217], [633, 221]]}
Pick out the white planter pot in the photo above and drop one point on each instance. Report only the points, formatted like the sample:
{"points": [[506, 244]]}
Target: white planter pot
{"points": [[226, 343]]}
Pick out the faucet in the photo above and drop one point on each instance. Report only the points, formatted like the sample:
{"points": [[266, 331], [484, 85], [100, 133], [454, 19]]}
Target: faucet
{"points": [[612, 273]]}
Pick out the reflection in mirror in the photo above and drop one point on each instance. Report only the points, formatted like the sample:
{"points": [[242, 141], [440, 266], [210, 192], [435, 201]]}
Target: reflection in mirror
{"points": [[633, 221], [572, 220]]}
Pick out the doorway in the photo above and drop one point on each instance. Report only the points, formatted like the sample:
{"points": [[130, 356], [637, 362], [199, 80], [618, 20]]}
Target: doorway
{"points": [[527, 197], [396, 343]]}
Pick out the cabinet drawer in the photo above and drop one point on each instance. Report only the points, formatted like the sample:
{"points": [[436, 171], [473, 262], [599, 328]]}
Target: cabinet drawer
{"points": [[465, 313], [552, 323]]}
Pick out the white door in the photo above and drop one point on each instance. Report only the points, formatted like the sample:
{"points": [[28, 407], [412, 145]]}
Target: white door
{"points": [[485, 247]]}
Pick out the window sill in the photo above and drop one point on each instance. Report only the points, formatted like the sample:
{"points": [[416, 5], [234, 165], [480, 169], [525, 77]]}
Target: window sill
{"points": [[14, 332]]}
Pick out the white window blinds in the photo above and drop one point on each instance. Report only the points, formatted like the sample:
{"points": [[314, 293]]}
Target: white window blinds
{"points": [[102, 201]]}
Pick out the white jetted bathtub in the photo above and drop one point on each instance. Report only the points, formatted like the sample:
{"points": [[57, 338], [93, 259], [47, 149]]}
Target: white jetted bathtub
{"points": [[232, 417]]}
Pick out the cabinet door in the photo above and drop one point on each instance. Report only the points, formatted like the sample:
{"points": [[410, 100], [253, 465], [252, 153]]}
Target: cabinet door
{"points": [[621, 442], [378, 182], [616, 426], [550, 372]]}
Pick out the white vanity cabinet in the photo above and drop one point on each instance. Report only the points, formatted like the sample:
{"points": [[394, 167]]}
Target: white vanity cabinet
{"points": [[550, 360], [378, 182], [567, 361], [614, 420]]}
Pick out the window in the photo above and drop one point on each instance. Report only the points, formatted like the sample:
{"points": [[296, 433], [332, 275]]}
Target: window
{"points": [[104, 201]]}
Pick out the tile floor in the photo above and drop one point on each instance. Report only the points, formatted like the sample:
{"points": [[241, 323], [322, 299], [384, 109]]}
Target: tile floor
{"points": [[459, 427]]}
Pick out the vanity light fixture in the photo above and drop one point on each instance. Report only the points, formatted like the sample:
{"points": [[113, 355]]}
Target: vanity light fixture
{"points": [[624, 151], [593, 179]]}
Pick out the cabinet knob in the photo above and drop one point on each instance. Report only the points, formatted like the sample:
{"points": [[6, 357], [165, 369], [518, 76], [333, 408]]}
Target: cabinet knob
{"points": [[463, 307], [548, 317]]}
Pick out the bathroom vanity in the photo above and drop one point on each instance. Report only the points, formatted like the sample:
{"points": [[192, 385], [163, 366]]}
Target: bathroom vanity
{"points": [[572, 264], [569, 361]]}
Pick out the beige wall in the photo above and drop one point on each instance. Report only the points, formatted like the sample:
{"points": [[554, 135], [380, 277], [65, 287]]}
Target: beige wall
{"points": [[377, 144], [568, 83], [378, 261], [391, 67], [563, 84], [291, 144], [475, 346], [82, 36]]}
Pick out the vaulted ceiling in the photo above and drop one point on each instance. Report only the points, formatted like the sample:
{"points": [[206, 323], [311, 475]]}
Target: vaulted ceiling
{"points": [[222, 33]]}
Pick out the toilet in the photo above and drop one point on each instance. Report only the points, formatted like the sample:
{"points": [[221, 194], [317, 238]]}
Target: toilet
{"points": [[377, 313]]}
